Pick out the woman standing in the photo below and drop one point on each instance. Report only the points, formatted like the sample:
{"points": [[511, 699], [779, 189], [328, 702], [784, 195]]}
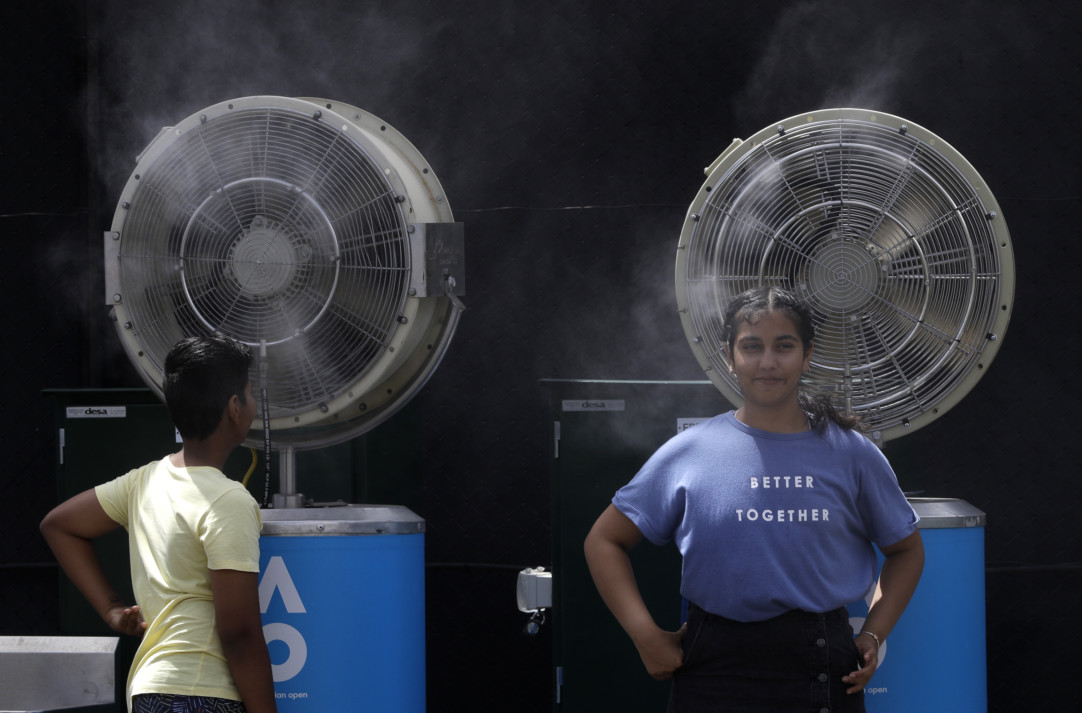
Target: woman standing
{"points": [[774, 507]]}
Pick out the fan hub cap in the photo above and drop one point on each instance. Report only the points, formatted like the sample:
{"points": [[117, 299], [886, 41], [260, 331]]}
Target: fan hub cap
{"points": [[841, 277], [266, 259]]}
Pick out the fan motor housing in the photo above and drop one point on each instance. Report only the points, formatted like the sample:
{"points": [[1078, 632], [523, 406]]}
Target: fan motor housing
{"points": [[885, 230], [309, 229]]}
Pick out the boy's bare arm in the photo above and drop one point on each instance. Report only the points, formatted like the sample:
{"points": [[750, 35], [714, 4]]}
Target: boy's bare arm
{"points": [[236, 610], [69, 530]]}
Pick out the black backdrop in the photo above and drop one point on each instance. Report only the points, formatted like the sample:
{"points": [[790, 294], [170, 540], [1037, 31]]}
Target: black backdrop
{"points": [[570, 137]]}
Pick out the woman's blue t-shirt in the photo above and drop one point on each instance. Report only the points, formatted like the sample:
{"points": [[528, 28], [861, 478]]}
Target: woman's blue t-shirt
{"points": [[769, 522]]}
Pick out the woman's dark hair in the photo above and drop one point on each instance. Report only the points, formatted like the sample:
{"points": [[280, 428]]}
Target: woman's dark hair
{"points": [[747, 306], [201, 375]]}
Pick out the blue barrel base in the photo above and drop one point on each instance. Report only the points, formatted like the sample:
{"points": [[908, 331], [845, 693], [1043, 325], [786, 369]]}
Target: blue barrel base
{"points": [[935, 659], [343, 613]]}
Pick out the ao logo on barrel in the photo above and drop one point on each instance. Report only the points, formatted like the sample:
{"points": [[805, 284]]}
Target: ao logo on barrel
{"points": [[342, 614], [276, 578]]}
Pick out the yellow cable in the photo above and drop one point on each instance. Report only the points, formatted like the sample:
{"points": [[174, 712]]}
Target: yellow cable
{"points": [[251, 468]]}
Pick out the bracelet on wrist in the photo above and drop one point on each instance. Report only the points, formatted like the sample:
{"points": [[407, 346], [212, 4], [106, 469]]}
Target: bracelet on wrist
{"points": [[878, 643]]}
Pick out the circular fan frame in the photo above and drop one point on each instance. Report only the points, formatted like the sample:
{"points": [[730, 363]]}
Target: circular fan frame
{"points": [[886, 230], [285, 223]]}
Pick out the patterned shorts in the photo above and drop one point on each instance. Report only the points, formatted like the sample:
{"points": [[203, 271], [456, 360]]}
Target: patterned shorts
{"points": [[170, 703]]}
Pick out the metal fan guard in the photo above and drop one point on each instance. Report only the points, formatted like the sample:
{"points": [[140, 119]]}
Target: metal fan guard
{"points": [[888, 233], [290, 225]]}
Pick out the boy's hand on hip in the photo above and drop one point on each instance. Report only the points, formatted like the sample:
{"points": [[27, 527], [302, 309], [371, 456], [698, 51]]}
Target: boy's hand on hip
{"points": [[126, 620]]}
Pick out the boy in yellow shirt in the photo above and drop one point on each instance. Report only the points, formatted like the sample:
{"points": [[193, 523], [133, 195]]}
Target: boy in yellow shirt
{"points": [[193, 536]]}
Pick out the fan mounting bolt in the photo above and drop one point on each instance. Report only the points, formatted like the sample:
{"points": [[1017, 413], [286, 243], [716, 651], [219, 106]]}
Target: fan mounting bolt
{"points": [[324, 408], [317, 115], [399, 199], [695, 217], [991, 215], [902, 129], [402, 319], [202, 118], [781, 129], [116, 298], [116, 236], [125, 205]]}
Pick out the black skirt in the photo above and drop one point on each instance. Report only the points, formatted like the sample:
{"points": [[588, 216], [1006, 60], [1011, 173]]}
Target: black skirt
{"points": [[793, 662]]}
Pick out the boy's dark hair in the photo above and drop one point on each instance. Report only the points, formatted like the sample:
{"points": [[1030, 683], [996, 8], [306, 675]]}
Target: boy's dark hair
{"points": [[201, 375]]}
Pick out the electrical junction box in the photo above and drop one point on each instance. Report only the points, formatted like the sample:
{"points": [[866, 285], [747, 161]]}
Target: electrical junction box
{"points": [[534, 589]]}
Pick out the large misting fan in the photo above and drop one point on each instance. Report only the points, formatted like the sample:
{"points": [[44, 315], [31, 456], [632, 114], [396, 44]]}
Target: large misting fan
{"points": [[308, 229], [886, 230]]}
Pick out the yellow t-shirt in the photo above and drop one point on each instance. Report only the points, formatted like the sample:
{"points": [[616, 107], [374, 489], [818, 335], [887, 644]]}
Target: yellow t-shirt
{"points": [[182, 523]]}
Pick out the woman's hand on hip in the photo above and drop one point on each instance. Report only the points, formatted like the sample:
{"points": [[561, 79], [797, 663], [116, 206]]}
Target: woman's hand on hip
{"points": [[661, 652], [869, 662]]}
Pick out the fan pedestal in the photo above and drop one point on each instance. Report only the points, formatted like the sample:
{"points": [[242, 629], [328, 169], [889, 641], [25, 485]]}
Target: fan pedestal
{"points": [[290, 501], [288, 497]]}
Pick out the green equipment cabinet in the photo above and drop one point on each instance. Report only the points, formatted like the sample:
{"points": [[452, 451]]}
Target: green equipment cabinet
{"points": [[602, 433], [102, 434]]}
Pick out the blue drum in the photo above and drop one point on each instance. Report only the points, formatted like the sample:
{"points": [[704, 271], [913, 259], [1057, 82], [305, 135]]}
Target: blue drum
{"points": [[341, 591], [935, 659]]}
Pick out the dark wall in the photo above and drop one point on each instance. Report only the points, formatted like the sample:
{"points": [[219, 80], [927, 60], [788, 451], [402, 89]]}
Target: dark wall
{"points": [[570, 138]]}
